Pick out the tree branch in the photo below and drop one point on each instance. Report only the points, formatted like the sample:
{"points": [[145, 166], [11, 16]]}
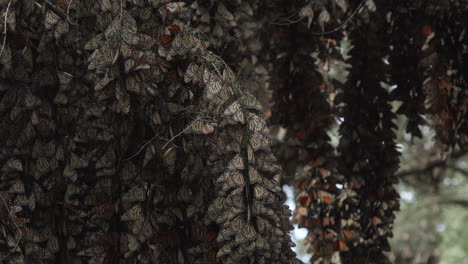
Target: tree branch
{"points": [[433, 164], [462, 203]]}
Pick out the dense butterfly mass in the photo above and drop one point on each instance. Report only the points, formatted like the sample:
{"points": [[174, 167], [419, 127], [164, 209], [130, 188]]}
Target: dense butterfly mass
{"points": [[125, 140], [138, 131]]}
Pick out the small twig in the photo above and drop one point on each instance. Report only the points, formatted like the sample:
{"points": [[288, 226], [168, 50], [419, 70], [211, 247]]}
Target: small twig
{"points": [[462, 203], [180, 133], [460, 170], [144, 145], [431, 165], [5, 27], [285, 18], [287, 22], [121, 12], [344, 23], [13, 220], [68, 14]]}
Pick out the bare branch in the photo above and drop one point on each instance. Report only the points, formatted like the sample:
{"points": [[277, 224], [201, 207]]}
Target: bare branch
{"points": [[5, 27], [442, 163], [462, 203]]}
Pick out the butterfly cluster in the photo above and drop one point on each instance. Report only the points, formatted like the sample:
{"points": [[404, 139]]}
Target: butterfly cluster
{"points": [[252, 223], [110, 123], [442, 58]]}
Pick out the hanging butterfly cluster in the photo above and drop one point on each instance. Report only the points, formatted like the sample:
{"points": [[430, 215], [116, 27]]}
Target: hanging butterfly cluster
{"points": [[124, 140], [306, 85], [443, 59], [408, 33], [411, 67], [303, 86], [368, 153], [247, 205], [232, 29]]}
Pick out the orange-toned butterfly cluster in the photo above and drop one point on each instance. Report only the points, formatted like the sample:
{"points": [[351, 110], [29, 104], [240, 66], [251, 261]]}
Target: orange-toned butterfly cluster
{"points": [[367, 149], [304, 93], [443, 61]]}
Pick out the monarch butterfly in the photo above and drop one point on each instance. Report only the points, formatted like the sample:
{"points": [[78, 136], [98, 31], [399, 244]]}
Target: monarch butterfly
{"points": [[95, 42], [174, 28], [70, 173], [349, 234], [128, 65], [218, 30], [65, 79], [246, 234], [42, 166], [223, 13], [200, 127], [72, 189], [61, 28], [259, 209], [232, 108], [233, 114], [266, 162], [234, 200], [257, 124], [242, 251], [216, 207], [128, 171], [230, 228], [250, 155], [171, 8], [53, 244], [128, 244], [17, 188], [107, 160], [13, 165], [224, 176], [134, 213], [259, 141], [166, 40], [326, 197], [61, 98], [212, 89], [250, 102], [77, 162], [208, 76], [129, 37], [31, 101], [169, 158], [236, 163], [271, 185], [135, 194], [122, 98], [262, 194], [278, 231], [340, 245], [191, 73], [226, 249], [261, 244], [254, 176], [185, 42], [51, 19], [235, 180]]}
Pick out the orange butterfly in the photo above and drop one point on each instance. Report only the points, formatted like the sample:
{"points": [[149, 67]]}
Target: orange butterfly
{"points": [[166, 40], [174, 28]]}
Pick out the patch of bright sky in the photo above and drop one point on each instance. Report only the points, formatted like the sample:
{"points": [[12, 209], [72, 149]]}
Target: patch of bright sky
{"points": [[298, 234], [452, 181], [407, 195], [440, 228]]}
